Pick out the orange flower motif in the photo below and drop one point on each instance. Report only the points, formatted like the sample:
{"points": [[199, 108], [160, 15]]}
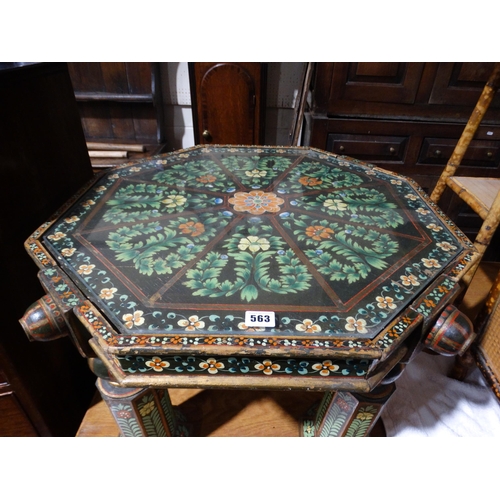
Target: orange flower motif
{"points": [[157, 364], [325, 368], [267, 367], [319, 232], [429, 303], [211, 365], [192, 228], [205, 179], [256, 202], [310, 181]]}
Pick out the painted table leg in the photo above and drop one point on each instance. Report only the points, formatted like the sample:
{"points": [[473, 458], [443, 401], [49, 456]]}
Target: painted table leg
{"points": [[146, 412], [345, 414]]}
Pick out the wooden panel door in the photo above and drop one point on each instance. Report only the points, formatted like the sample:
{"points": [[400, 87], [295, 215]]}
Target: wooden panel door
{"points": [[461, 83], [373, 82], [227, 101]]}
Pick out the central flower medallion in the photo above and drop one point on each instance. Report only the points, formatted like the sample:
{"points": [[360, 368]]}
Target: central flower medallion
{"points": [[256, 202]]}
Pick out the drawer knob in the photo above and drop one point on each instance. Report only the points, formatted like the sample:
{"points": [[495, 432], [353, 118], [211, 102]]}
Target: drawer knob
{"points": [[341, 148], [392, 150], [489, 154], [437, 152], [207, 135]]}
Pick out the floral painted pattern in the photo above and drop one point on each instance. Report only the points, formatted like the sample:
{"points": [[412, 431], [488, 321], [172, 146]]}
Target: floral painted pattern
{"points": [[235, 365], [296, 229]]}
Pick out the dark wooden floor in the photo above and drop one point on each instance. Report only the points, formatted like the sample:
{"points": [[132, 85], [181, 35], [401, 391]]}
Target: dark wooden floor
{"points": [[256, 413]]}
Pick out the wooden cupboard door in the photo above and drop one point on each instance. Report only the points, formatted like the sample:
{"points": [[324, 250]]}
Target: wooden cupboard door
{"points": [[227, 102], [374, 82], [461, 83]]}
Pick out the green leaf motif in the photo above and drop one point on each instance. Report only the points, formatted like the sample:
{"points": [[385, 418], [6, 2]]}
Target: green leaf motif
{"points": [[251, 267], [256, 170], [314, 175], [343, 253], [333, 423], [172, 246], [249, 293], [361, 205]]}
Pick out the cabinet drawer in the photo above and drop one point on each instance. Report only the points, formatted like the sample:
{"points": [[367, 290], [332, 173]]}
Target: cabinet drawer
{"points": [[368, 147], [437, 151]]}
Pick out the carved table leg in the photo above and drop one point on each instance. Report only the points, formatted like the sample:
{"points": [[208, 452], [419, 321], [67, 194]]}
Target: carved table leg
{"points": [[345, 414], [146, 412]]}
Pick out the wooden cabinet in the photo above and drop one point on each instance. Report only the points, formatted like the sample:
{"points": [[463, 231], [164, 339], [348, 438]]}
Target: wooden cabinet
{"points": [[406, 117], [228, 102], [45, 388], [120, 102]]}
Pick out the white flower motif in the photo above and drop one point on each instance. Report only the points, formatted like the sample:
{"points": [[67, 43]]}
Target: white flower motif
{"points": [[325, 368], [422, 211], [409, 280], [385, 302], [157, 364], [134, 319], [308, 327], [434, 227], [267, 367], [336, 204], [431, 263], [174, 200], [68, 252], [255, 173], [354, 324], [192, 323], [254, 244], [446, 246], [211, 365], [86, 269], [108, 293], [57, 236]]}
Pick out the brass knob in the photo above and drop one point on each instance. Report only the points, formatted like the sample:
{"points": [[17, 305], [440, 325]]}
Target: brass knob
{"points": [[489, 154], [341, 148], [438, 152], [392, 150], [207, 135]]}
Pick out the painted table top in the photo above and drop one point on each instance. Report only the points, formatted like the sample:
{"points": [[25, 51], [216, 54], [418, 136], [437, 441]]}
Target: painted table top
{"points": [[174, 250]]}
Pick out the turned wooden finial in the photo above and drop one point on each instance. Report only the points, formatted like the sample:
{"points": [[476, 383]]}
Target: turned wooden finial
{"points": [[452, 334], [43, 321]]}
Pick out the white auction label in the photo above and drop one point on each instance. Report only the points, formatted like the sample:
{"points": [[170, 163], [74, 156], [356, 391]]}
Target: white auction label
{"points": [[260, 318]]}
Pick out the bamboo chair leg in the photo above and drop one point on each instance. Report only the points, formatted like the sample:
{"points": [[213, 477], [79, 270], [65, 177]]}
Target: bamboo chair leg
{"points": [[484, 237]]}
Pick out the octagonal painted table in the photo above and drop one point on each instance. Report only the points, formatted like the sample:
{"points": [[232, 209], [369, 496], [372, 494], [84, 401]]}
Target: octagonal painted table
{"points": [[245, 268]]}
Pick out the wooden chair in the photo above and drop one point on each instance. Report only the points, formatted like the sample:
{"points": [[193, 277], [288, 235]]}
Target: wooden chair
{"points": [[480, 193], [486, 349]]}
